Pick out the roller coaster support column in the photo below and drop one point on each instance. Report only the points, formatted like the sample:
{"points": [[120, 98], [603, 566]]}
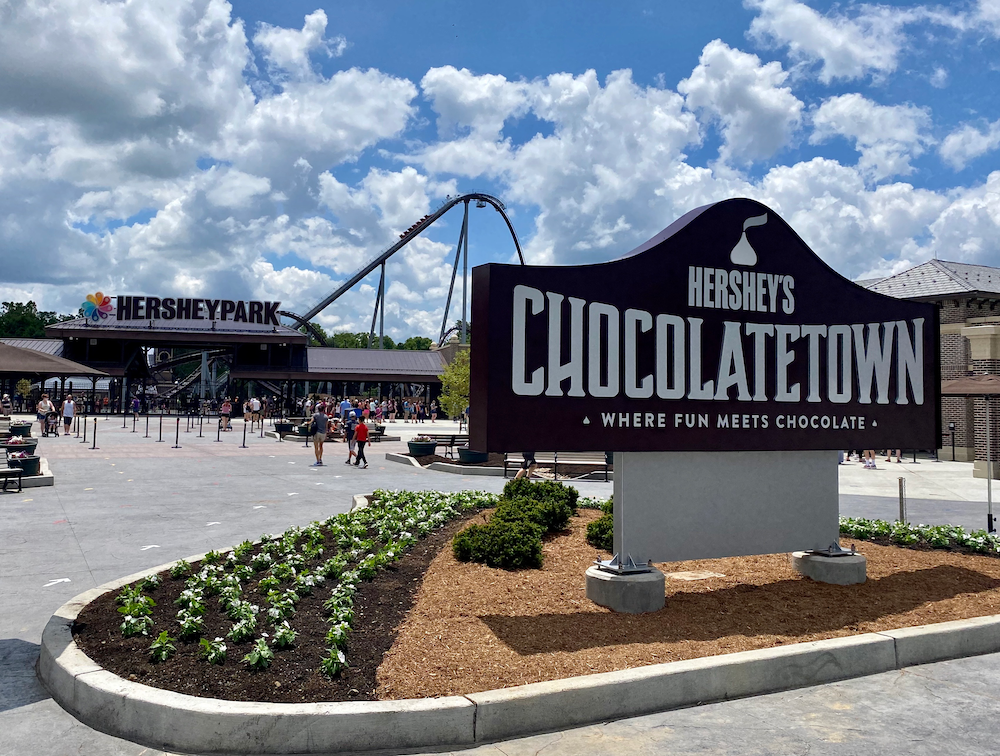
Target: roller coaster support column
{"points": [[454, 272], [465, 276], [381, 312]]}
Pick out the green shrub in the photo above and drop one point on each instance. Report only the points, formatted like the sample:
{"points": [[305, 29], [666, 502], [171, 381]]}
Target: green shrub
{"points": [[541, 490], [510, 544], [550, 514], [601, 532]]}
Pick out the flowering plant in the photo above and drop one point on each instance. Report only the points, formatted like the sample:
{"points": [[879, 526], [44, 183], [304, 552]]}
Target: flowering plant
{"points": [[422, 439], [19, 455], [16, 441]]}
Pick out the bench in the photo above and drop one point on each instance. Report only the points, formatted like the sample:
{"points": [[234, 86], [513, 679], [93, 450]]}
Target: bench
{"points": [[512, 460], [8, 473], [449, 441], [375, 433]]}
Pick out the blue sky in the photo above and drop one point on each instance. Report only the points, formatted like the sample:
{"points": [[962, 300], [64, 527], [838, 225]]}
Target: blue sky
{"points": [[265, 150]]}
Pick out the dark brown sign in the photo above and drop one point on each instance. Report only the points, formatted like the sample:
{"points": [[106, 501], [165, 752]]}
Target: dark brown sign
{"points": [[725, 332]]}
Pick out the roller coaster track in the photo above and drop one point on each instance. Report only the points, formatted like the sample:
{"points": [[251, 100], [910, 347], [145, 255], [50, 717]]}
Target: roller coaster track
{"points": [[405, 238]]}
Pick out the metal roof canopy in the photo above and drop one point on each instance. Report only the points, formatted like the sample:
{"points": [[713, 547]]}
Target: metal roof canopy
{"points": [[17, 361], [81, 328]]}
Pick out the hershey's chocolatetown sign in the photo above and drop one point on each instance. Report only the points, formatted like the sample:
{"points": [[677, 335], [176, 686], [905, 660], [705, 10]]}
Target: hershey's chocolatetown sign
{"points": [[725, 332]]}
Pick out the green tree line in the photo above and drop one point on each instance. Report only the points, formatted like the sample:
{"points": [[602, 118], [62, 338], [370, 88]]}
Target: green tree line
{"points": [[23, 320]]}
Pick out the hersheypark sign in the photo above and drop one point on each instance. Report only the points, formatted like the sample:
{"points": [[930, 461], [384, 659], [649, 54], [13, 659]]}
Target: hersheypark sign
{"points": [[724, 332], [191, 312]]}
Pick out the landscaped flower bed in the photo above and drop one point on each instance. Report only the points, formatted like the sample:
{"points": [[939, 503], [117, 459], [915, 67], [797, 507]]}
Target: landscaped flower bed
{"points": [[949, 537], [277, 620]]}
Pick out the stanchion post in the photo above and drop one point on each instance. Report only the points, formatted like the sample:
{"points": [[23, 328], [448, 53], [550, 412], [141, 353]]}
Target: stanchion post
{"points": [[147, 426], [177, 436], [92, 448], [160, 439], [85, 430], [218, 431], [244, 444], [124, 418], [133, 423], [200, 421]]}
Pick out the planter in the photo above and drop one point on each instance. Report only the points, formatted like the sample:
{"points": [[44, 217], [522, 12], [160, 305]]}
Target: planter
{"points": [[30, 465], [20, 429], [28, 446], [282, 428], [421, 448], [468, 456]]}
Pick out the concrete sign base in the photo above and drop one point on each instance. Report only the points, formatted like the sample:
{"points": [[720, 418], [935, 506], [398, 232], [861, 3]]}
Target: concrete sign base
{"points": [[675, 506], [839, 570], [634, 593]]}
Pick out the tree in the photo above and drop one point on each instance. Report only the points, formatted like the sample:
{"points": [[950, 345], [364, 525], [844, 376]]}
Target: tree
{"points": [[24, 320], [415, 343], [455, 384], [312, 339], [24, 387], [346, 340]]}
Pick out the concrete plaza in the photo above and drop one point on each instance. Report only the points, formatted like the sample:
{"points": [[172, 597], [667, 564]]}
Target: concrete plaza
{"points": [[134, 503]]}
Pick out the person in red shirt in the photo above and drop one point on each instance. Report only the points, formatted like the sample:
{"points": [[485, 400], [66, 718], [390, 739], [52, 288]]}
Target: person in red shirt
{"points": [[361, 436]]}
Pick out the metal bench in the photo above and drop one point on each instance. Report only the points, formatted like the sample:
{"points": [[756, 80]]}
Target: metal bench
{"points": [[514, 460], [375, 433], [449, 441], [10, 473]]}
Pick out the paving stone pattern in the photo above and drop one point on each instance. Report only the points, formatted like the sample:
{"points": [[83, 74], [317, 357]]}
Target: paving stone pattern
{"points": [[135, 503]]}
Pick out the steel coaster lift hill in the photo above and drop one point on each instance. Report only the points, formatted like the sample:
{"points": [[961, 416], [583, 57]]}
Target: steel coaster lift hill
{"points": [[461, 255]]}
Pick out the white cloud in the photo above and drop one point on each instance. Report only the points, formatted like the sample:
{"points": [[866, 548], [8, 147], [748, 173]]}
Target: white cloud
{"points": [[288, 50], [939, 79], [847, 48], [887, 136], [235, 189], [966, 143], [480, 103], [757, 115]]}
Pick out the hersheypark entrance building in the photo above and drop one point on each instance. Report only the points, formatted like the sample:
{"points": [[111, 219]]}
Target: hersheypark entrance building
{"points": [[180, 350]]}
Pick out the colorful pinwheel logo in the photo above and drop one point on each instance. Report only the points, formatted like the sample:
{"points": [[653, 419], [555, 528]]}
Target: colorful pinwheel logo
{"points": [[97, 307]]}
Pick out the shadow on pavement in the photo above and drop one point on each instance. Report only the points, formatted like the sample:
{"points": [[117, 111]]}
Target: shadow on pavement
{"points": [[787, 608], [18, 684]]}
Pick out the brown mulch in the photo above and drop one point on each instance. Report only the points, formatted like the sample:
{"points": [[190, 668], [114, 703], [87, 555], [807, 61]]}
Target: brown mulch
{"points": [[474, 628], [432, 626], [293, 676]]}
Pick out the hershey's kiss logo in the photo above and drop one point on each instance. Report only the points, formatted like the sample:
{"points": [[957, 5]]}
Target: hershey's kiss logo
{"points": [[743, 253], [586, 421]]}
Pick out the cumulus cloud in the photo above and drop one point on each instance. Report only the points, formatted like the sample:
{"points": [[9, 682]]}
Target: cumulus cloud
{"points": [[847, 46], [289, 50], [966, 143], [756, 114], [141, 150], [887, 136]]}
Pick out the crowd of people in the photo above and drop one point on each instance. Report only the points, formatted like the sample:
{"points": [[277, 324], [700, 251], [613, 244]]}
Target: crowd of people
{"points": [[380, 411]]}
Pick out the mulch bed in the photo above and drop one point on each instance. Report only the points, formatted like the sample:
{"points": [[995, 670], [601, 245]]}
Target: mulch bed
{"points": [[293, 677], [474, 628], [433, 626]]}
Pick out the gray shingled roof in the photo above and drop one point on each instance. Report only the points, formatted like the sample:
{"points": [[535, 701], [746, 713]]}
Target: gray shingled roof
{"points": [[168, 326], [939, 278], [48, 346]]}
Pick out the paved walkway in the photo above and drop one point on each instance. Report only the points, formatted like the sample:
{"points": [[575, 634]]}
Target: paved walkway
{"points": [[135, 503]]}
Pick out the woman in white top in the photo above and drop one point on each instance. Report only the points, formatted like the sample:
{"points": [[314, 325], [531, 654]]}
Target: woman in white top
{"points": [[68, 410], [44, 406]]}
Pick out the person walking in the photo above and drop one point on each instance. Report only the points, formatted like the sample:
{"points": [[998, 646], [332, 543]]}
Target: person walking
{"points": [[68, 410], [318, 427], [44, 407], [527, 465], [224, 413], [870, 459], [7, 405], [899, 455], [349, 425], [361, 436]]}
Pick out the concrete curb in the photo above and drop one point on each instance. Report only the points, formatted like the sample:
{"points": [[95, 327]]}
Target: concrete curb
{"points": [[403, 459], [173, 721], [465, 469]]}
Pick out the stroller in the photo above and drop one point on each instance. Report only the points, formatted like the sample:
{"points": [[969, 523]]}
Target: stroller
{"points": [[51, 424]]}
